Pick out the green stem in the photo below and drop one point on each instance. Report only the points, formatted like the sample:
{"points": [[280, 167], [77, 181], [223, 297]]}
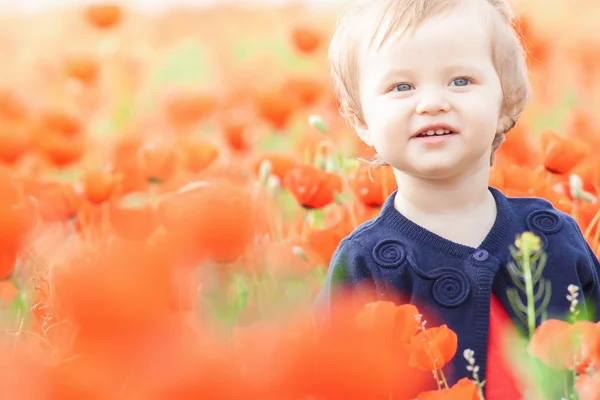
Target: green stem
{"points": [[529, 291]]}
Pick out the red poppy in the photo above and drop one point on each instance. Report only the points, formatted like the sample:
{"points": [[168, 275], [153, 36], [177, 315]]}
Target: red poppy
{"points": [[83, 68], [17, 219], [158, 160], [12, 106], [214, 220], [98, 186], [305, 91], [306, 40], [189, 108], [60, 138], [198, 154], [554, 344], [275, 108], [103, 16], [561, 154], [15, 138], [235, 134], [465, 389], [393, 322], [372, 186], [325, 239], [281, 163], [56, 201], [311, 186], [433, 348]]}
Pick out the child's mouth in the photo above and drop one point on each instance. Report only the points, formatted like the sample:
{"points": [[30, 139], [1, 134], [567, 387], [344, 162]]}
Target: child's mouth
{"points": [[439, 132]]}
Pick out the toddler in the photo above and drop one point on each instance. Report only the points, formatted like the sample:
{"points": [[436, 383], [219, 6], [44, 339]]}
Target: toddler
{"points": [[433, 86]]}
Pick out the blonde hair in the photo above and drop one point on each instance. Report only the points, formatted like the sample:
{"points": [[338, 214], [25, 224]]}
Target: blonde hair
{"points": [[379, 19]]}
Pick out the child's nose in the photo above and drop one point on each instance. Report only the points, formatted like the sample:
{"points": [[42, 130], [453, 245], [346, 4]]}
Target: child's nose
{"points": [[432, 101]]}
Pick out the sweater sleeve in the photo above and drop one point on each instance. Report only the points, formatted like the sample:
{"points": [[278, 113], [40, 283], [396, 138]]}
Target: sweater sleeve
{"points": [[589, 272], [591, 285], [349, 274]]}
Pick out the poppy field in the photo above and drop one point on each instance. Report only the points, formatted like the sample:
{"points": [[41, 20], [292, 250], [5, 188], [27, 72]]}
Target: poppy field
{"points": [[174, 185]]}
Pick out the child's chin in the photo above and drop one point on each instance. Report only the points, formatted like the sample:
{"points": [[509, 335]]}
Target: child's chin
{"points": [[436, 170]]}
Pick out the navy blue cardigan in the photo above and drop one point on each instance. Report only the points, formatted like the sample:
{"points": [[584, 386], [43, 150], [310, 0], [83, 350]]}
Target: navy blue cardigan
{"points": [[452, 283]]}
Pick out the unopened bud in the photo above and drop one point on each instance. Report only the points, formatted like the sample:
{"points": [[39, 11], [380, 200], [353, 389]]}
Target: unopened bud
{"points": [[317, 122]]}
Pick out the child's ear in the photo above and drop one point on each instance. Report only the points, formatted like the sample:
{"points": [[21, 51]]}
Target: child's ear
{"points": [[505, 124], [361, 129]]}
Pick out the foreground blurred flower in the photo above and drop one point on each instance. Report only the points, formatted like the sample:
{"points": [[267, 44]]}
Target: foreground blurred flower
{"points": [[214, 219], [465, 389], [394, 323], [554, 344], [133, 216]]}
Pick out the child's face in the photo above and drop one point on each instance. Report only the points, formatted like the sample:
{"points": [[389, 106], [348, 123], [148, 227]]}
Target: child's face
{"points": [[442, 73]]}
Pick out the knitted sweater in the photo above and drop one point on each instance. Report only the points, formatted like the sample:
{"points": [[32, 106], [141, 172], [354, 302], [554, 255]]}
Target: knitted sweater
{"points": [[453, 283]]}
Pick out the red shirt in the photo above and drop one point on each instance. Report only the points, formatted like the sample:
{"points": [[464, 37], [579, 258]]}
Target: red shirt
{"points": [[500, 383]]}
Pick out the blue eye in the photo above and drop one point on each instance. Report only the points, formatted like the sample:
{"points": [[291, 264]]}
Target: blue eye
{"points": [[460, 82], [403, 87]]}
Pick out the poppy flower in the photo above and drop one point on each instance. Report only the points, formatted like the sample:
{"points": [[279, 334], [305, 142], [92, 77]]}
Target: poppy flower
{"points": [[103, 15], [198, 154], [311, 186], [98, 185], [125, 161], [17, 220], [56, 201], [325, 239], [189, 108], [306, 40], [15, 139], [395, 323], [522, 181], [464, 389], [215, 219], [60, 138], [588, 387], [113, 291], [235, 134], [588, 343], [589, 172], [372, 186], [274, 107], [280, 162], [305, 91], [519, 148], [12, 107], [561, 154], [82, 68], [553, 343], [158, 160], [433, 348]]}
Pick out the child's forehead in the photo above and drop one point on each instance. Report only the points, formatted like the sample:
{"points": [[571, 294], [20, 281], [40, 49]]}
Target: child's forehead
{"points": [[463, 20]]}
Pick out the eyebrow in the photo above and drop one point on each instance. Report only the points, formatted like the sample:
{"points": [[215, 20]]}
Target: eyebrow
{"points": [[389, 73]]}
